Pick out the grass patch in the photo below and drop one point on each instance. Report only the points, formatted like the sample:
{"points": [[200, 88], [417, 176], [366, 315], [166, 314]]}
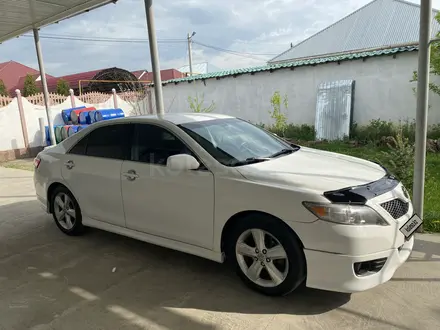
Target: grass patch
{"points": [[19, 165], [432, 182]]}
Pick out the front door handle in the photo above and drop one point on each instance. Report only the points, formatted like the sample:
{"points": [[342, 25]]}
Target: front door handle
{"points": [[130, 175], [69, 164]]}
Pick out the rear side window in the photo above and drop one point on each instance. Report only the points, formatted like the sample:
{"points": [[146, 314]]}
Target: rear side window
{"points": [[105, 142], [80, 147]]}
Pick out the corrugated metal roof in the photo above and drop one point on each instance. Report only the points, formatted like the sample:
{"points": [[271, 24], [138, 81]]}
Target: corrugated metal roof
{"points": [[381, 23], [303, 62], [72, 79], [11, 72]]}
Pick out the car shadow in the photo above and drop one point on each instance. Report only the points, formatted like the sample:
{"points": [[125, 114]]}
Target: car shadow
{"points": [[132, 281], [426, 248]]}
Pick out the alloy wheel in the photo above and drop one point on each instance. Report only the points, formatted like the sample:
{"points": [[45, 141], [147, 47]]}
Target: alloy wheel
{"points": [[262, 258], [64, 211]]}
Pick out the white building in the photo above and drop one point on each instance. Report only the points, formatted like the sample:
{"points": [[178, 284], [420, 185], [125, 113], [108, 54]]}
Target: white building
{"points": [[376, 46]]}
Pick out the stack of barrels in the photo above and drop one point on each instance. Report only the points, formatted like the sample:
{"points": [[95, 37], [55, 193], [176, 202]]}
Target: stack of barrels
{"points": [[76, 119]]}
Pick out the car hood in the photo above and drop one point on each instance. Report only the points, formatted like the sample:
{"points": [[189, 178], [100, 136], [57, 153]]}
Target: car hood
{"points": [[315, 170]]}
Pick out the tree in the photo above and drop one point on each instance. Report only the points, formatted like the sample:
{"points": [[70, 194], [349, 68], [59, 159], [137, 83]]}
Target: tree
{"points": [[196, 104], [3, 90], [277, 113], [435, 63], [63, 87], [30, 88]]}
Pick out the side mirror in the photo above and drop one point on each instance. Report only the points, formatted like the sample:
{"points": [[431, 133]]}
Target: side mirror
{"points": [[182, 162]]}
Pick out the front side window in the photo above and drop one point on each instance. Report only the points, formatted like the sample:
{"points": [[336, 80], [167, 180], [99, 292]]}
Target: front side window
{"points": [[109, 141], [235, 142], [154, 144]]}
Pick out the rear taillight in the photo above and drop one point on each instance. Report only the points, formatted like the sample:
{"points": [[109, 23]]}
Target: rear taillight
{"points": [[37, 162]]}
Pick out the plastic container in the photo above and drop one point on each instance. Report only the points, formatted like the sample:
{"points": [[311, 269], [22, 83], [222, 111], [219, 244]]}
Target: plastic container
{"points": [[74, 115], [58, 136], [64, 132], [84, 117], [47, 136], [81, 127], [106, 114], [72, 130], [65, 114], [91, 117]]}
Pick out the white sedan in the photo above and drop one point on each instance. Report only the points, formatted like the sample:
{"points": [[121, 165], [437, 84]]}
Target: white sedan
{"points": [[223, 189]]}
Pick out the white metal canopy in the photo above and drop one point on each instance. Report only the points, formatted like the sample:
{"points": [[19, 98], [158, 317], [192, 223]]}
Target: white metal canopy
{"points": [[21, 16]]}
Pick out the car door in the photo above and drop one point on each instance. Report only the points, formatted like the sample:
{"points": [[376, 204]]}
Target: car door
{"points": [[177, 205], [92, 170]]}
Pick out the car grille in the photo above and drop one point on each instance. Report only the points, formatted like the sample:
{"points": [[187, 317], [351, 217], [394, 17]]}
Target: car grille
{"points": [[396, 208]]}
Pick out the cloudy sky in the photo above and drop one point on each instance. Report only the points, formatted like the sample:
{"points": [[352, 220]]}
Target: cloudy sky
{"points": [[257, 29]]}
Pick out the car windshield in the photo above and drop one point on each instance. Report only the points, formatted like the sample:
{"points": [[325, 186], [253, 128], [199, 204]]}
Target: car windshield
{"points": [[235, 142]]}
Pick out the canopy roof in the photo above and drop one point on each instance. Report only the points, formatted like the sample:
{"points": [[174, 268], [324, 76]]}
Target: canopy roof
{"points": [[20, 16]]}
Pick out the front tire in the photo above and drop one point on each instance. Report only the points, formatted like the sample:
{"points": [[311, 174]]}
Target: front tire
{"points": [[66, 212], [266, 255]]}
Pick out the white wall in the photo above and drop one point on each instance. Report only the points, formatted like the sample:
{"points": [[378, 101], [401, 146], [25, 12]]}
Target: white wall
{"points": [[11, 136], [382, 90]]}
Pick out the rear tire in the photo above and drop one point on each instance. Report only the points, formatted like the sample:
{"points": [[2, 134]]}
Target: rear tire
{"points": [[66, 212], [266, 255]]}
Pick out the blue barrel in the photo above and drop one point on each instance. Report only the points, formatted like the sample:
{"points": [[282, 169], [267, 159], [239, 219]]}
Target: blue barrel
{"points": [[106, 114], [47, 135], [65, 114], [80, 127], [84, 118], [72, 130], [91, 117]]}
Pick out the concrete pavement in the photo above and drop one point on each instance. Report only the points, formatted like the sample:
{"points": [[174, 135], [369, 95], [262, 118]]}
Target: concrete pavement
{"points": [[104, 281]]}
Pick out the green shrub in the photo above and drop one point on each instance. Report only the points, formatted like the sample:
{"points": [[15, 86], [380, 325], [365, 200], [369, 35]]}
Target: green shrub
{"points": [[302, 132], [30, 87], [434, 132], [408, 129], [280, 125], [3, 89], [372, 132], [197, 104], [63, 87], [399, 159]]}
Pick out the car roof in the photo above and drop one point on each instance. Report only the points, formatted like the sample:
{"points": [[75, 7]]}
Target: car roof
{"points": [[178, 118]]}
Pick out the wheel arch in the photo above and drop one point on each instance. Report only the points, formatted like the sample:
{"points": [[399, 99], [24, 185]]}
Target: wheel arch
{"points": [[242, 216], [53, 186]]}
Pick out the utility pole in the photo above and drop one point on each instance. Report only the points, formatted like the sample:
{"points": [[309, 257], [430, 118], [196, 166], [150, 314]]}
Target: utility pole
{"points": [[422, 105], [189, 37], [154, 53]]}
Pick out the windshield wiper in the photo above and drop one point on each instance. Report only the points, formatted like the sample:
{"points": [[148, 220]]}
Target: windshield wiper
{"points": [[251, 160], [283, 152]]}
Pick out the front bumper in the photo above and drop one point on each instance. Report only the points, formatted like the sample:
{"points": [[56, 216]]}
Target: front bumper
{"points": [[335, 272], [332, 250]]}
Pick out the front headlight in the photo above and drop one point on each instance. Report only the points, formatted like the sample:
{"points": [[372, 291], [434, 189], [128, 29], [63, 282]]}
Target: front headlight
{"points": [[346, 214]]}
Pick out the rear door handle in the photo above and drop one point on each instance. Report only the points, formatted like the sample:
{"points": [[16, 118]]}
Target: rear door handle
{"points": [[131, 175], [69, 164]]}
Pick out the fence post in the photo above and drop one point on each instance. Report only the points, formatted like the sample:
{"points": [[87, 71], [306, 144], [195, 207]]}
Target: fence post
{"points": [[72, 98], [22, 120], [115, 99], [42, 131], [150, 101]]}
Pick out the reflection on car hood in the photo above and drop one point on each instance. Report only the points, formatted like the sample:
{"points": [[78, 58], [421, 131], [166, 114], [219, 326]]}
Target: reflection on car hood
{"points": [[315, 170]]}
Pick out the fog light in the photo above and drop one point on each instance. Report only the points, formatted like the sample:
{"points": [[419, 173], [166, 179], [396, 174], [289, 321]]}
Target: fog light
{"points": [[369, 267]]}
